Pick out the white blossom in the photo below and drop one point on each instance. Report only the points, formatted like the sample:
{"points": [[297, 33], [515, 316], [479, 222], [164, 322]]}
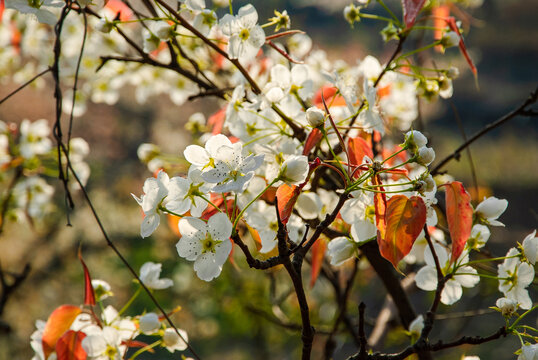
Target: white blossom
{"points": [[489, 210], [149, 275], [514, 277], [208, 245], [149, 323], [246, 37], [340, 249], [155, 191], [530, 247]]}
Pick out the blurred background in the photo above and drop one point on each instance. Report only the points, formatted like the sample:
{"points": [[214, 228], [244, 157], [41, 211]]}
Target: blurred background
{"points": [[231, 318]]}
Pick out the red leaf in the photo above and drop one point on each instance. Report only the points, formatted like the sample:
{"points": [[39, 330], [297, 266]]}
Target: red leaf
{"points": [[137, 344], [313, 138], [2, 7], [318, 253], [286, 196], [89, 294], [118, 6], [411, 8], [69, 346], [405, 219], [358, 148], [329, 92], [380, 205], [58, 323], [451, 21], [459, 215]]}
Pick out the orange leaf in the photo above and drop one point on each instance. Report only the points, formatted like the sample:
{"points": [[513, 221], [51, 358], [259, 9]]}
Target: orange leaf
{"points": [[286, 196], [459, 215], [358, 148], [313, 138], [318, 253], [58, 323], [89, 294], [440, 13], [405, 219], [411, 8], [329, 92], [451, 21], [118, 6], [216, 121], [2, 7], [380, 205], [69, 346]]}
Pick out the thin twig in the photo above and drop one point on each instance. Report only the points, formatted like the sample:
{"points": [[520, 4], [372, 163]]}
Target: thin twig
{"points": [[520, 110], [25, 85]]}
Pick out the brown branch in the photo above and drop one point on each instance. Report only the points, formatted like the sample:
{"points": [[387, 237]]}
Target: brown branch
{"points": [[520, 110], [8, 289]]}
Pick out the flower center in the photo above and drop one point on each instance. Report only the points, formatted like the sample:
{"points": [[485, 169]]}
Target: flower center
{"points": [[244, 34]]}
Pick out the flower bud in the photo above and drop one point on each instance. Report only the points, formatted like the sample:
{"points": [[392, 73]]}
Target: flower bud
{"points": [[414, 139], [147, 151], [453, 72], [450, 39], [294, 170], [149, 323], [315, 116], [352, 14], [425, 155], [104, 26]]}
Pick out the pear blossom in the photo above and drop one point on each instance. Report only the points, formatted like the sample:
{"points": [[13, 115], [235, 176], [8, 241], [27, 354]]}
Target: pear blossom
{"points": [[294, 169], [530, 247], [149, 323], [262, 218], [507, 306], [203, 157], [529, 352], [33, 194], [308, 205], [315, 116], [414, 139], [425, 155], [489, 210], [246, 37], [187, 194], [514, 277], [101, 289], [340, 249], [232, 170], [173, 342], [465, 276], [370, 118], [208, 245], [449, 39], [155, 192], [363, 230], [479, 236], [40, 9], [104, 344], [149, 275], [34, 138], [416, 326]]}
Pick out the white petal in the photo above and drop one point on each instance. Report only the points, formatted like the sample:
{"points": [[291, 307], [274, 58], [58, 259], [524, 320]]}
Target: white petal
{"points": [[220, 227], [222, 251], [492, 208], [192, 228], [215, 142], [426, 278], [451, 293], [248, 16], [440, 251], [149, 224], [363, 230], [196, 155], [206, 266], [281, 76], [467, 281], [189, 248]]}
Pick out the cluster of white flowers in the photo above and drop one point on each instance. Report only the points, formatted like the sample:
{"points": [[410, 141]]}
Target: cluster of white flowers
{"points": [[28, 151], [110, 336]]}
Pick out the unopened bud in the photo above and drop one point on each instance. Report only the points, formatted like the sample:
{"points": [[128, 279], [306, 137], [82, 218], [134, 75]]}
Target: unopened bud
{"points": [[315, 116], [425, 156]]}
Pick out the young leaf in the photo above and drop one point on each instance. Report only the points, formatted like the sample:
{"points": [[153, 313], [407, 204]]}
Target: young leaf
{"points": [[89, 294], [58, 323], [69, 346], [287, 196], [312, 140], [411, 8], [380, 205], [357, 149], [318, 253], [451, 21], [405, 219], [459, 215]]}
